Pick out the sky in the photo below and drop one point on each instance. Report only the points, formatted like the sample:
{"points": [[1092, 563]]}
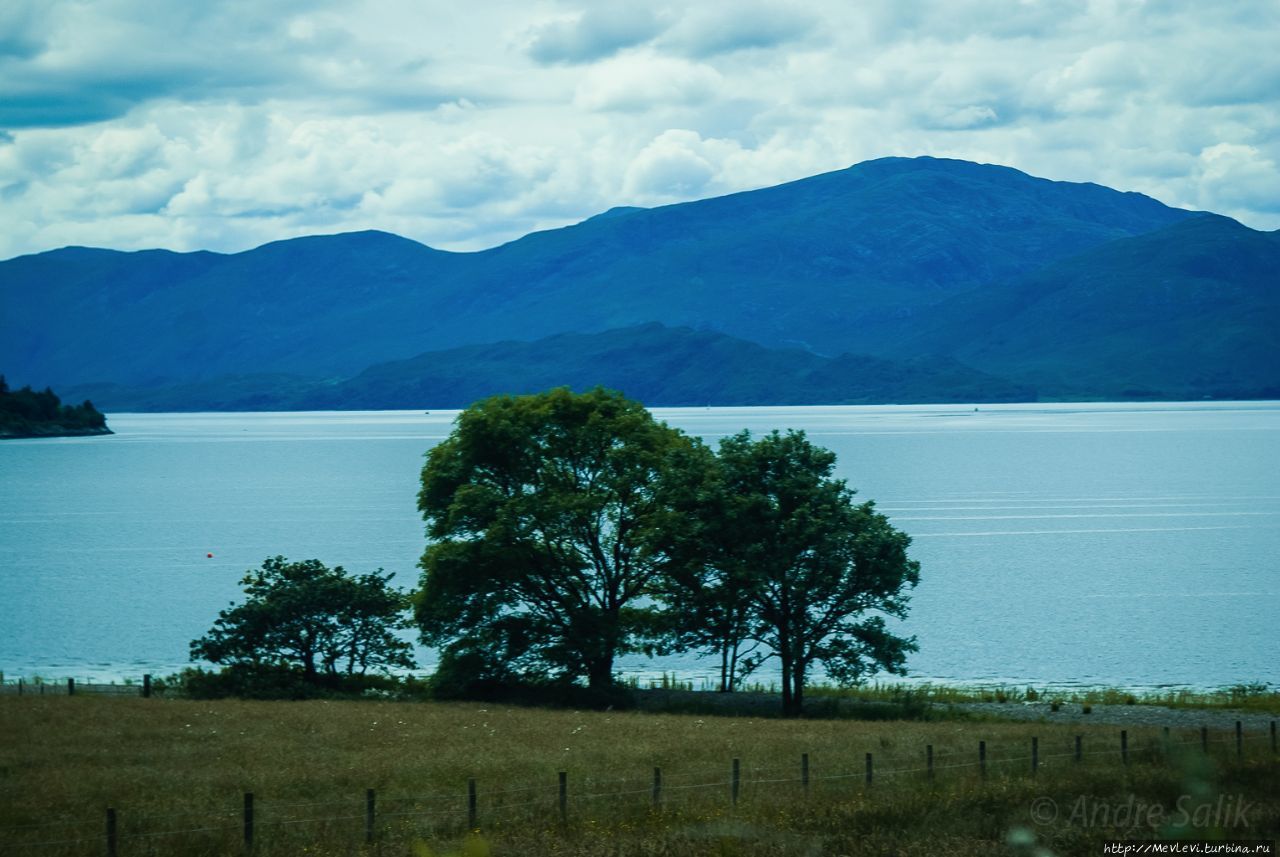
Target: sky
{"points": [[225, 125]]}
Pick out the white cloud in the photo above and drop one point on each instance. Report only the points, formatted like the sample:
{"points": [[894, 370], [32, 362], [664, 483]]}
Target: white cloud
{"points": [[600, 31], [639, 82], [1239, 178], [132, 124]]}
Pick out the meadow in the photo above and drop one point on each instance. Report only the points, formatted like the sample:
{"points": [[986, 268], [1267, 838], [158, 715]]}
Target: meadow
{"points": [[176, 771]]}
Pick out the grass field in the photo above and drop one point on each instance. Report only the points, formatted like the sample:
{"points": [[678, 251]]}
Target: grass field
{"points": [[176, 771]]}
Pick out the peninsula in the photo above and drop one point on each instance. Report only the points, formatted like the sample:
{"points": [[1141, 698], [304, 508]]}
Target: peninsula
{"points": [[27, 413]]}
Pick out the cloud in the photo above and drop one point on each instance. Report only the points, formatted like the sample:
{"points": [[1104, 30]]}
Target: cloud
{"points": [[706, 31], [132, 124], [639, 82], [600, 31], [1238, 178]]}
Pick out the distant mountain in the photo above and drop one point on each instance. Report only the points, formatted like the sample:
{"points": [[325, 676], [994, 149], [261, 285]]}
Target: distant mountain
{"points": [[1186, 312], [652, 363], [845, 262]]}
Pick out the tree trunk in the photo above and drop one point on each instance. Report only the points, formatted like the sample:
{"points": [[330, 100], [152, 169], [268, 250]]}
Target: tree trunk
{"points": [[797, 696], [786, 683], [600, 673]]}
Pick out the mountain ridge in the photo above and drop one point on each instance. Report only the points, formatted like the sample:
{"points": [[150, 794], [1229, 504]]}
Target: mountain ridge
{"points": [[657, 365], [873, 260]]}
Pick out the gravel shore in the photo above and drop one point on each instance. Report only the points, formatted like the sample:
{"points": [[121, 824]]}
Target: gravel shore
{"points": [[1125, 715]]}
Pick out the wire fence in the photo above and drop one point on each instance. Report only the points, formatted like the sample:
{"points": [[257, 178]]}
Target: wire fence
{"points": [[573, 798], [73, 686]]}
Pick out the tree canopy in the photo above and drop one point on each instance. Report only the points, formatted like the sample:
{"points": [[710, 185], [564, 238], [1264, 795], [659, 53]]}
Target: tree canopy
{"points": [[568, 529], [547, 514], [306, 616], [27, 413], [812, 573]]}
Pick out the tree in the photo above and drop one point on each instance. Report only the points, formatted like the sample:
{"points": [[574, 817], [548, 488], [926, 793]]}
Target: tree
{"points": [[545, 513], [304, 615], [707, 589], [811, 572]]}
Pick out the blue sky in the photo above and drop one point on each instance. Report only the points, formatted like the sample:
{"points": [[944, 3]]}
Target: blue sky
{"points": [[223, 125]]}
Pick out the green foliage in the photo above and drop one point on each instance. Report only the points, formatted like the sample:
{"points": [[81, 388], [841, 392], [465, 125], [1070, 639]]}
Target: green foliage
{"points": [[547, 514], [305, 621], [568, 529], [792, 563], [26, 413]]}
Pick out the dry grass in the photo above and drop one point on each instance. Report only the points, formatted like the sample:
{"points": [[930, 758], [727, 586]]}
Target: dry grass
{"points": [[175, 771]]}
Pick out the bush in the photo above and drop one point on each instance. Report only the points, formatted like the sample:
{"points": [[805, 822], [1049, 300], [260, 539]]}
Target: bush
{"points": [[246, 681]]}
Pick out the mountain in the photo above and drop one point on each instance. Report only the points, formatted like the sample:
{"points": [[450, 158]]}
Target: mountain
{"points": [[852, 261], [1185, 312], [652, 363]]}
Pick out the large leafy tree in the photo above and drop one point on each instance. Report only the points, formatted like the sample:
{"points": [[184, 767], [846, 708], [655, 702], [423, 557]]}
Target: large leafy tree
{"points": [[546, 515], [306, 616], [794, 564]]}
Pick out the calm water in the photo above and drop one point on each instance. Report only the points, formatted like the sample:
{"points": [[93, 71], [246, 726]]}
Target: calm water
{"points": [[1122, 544]]}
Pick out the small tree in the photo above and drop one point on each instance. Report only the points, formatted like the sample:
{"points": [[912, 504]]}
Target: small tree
{"points": [[793, 563], [304, 615], [545, 513]]}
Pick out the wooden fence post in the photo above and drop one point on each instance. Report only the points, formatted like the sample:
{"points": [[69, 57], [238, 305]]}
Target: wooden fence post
{"points": [[564, 797], [928, 760], [1035, 754], [982, 758], [20, 692], [369, 809], [472, 815], [737, 782], [1239, 739], [1124, 746], [248, 821], [869, 769], [111, 832], [71, 687], [1079, 748], [804, 769], [657, 788], [146, 686], [1273, 736]]}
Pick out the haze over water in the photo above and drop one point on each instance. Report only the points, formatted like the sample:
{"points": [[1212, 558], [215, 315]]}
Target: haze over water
{"points": [[1060, 544]]}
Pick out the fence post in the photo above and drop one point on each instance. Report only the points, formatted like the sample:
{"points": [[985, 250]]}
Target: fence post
{"points": [[1239, 739], [20, 694], [564, 797], [71, 687], [1079, 748], [928, 760], [1273, 736], [657, 788], [1204, 738], [369, 809], [737, 782], [471, 805], [804, 767], [1124, 746], [111, 832], [146, 686], [982, 758], [1165, 740], [870, 769], [248, 821], [1035, 754]]}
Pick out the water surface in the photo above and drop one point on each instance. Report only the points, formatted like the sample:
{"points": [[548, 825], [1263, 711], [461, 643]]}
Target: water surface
{"points": [[1063, 544]]}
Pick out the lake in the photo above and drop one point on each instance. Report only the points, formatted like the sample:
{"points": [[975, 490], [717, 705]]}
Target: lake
{"points": [[1124, 544]]}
